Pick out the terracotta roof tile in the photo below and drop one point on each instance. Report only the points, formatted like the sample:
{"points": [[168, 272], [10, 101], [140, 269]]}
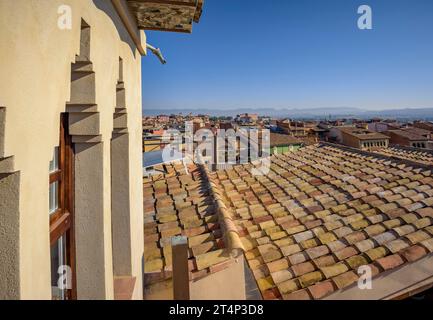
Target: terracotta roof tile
{"points": [[297, 295], [311, 243], [325, 261], [278, 265], [316, 252], [345, 279], [405, 229], [356, 261], [413, 253], [291, 249], [428, 244], [311, 278], [384, 237], [288, 286], [306, 235], [334, 270], [365, 245], [417, 236], [355, 237], [303, 268], [345, 253], [321, 289], [376, 253], [396, 245], [390, 262], [299, 257], [265, 283], [282, 275], [337, 245], [271, 294], [375, 229]]}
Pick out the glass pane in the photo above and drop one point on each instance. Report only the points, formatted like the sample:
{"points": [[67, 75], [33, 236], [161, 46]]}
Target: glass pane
{"points": [[58, 260], [54, 163], [54, 197]]}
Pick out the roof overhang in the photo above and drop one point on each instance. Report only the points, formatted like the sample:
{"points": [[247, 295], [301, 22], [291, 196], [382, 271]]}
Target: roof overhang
{"points": [[161, 15], [403, 282], [166, 15]]}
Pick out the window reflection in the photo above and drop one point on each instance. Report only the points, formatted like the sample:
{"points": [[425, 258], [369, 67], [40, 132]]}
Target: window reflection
{"points": [[58, 259], [54, 197], [54, 163]]}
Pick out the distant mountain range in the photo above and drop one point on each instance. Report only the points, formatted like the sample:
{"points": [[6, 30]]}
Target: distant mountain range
{"points": [[315, 113]]}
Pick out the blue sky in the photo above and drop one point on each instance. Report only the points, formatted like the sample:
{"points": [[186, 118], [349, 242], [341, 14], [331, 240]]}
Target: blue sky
{"points": [[295, 54]]}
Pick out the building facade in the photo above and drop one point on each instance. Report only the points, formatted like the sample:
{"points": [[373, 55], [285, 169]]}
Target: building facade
{"points": [[362, 138], [71, 199], [293, 128]]}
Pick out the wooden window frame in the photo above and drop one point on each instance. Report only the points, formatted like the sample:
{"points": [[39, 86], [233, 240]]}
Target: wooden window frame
{"points": [[62, 220]]}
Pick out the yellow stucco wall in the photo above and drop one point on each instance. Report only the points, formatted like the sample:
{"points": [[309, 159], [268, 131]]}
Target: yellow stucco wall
{"points": [[35, 64]]}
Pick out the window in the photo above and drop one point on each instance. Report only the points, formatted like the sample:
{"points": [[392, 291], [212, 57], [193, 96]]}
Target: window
{"points": [[54, 197], [54, 182], [61, 216], [54, 163], [58, 260]]}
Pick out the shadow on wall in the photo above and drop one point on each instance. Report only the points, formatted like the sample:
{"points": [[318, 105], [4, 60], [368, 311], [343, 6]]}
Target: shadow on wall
{"points": [[107, 7]]}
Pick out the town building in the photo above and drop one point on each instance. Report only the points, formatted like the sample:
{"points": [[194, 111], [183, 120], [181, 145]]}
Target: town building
{"points": [[225, 125], [153, 142], [282, 143], [293, 128], [382, 126], [247, 118], [362, 138]]}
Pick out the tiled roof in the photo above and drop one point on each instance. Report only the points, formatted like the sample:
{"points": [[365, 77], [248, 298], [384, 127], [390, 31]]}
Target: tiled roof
{"points": [[322, 212], [178, 202], [426, 125], [362, 134], [418, 131], [412, 136], [304, 228], [423, 157]]}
